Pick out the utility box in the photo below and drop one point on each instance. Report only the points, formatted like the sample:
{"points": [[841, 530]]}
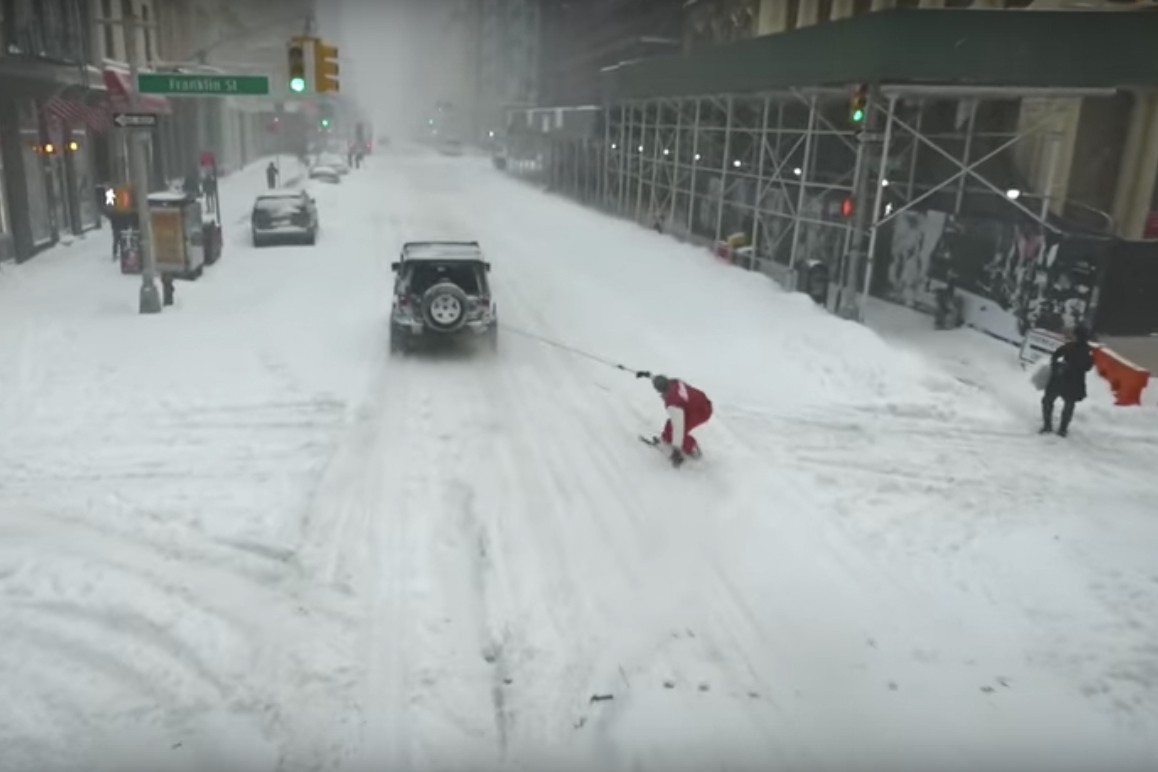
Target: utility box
{"points": [[178, 234]]}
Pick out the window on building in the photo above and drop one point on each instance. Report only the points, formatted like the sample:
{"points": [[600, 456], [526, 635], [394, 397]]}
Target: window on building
{"points": [[108, 40]]}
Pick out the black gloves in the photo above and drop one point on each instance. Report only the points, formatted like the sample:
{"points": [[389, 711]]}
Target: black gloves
{"points": [[643, 374], [677, 458]]}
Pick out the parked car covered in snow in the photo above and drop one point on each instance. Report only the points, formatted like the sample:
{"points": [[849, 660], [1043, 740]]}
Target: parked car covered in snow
{"points": [[334, 161], [284, 215], [450, 146], [325, 174], [441, 291]]}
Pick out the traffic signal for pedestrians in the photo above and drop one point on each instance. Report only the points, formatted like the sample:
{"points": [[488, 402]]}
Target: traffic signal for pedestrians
{"points": [[325, 67], [297, 67], [858, 107], [846, 208]]}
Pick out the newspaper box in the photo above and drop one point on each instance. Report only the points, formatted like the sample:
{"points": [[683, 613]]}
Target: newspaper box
{"points": [[178, 238]]}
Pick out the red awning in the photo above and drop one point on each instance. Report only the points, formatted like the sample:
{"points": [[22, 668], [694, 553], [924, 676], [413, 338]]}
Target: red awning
{"points": [[117, 82]]}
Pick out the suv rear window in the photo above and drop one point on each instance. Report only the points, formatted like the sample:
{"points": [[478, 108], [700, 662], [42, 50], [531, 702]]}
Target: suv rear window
{"points": [[422, 275], [280, 205]]}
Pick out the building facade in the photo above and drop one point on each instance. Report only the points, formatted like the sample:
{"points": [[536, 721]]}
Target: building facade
{"points": [[508, 45], [49, 122], [582, 38]]}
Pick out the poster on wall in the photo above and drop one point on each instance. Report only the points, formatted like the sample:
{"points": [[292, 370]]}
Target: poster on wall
{"points": [[1012, 276]]}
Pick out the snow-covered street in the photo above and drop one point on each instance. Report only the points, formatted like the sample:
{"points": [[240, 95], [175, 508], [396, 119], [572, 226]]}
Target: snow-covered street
{"points": [[240, 535]]}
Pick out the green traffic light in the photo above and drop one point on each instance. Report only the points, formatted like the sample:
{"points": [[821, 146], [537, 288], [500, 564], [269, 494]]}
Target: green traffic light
{"points": [[325, 123], [297, 85], [857, 115]]}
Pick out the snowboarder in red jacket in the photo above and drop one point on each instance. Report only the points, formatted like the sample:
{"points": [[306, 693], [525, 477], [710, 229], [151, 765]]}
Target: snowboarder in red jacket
{"points": [[687, 408]]}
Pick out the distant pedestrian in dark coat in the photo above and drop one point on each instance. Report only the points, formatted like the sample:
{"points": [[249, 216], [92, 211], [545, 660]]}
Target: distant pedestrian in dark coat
{"points": [[1067, 379], [271, 175]]}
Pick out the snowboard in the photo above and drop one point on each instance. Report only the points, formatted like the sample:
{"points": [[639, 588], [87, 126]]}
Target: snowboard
{"points": [[655, 443]]}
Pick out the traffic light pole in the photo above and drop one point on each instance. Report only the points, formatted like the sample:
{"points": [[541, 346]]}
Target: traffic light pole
{"points": [[150, 299], [882, 181], [849, 306]]}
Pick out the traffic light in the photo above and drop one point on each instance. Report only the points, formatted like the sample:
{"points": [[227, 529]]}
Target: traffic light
{"points": [[858, 107], [846, 208], [297, 67], [325, 67], [326, 116]]}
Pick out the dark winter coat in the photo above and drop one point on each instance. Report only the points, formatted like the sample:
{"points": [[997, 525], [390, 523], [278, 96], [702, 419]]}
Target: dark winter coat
{"points": [[1068, 367]]}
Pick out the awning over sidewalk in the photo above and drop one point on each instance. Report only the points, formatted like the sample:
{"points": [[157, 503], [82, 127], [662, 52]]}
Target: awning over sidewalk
{"points": [[117, 82]]}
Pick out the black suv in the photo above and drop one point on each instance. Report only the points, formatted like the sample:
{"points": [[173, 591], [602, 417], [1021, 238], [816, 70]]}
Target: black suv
{"points": [[441, 291]]}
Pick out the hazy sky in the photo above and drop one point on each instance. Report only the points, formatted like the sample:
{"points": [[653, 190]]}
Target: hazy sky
{"points": [[399, 57]]}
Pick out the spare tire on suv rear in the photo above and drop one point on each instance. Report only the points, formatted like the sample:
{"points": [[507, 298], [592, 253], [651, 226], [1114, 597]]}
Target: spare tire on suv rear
{"points": [[444, 307]]}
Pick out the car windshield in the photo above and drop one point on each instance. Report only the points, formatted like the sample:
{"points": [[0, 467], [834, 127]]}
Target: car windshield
{"points": [[424, 275]]}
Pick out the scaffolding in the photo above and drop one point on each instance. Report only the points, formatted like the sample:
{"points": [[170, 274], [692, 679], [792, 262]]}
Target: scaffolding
{"points": [[786, 173]]}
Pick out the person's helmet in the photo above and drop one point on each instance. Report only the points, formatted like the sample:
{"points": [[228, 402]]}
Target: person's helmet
{"points": [[661, 382]]}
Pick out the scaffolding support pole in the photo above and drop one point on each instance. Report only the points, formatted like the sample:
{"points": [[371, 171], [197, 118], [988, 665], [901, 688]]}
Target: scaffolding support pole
{"points": [[695, 163], [805, 175], [639, 176], [920, 126], [603, 156], [966, 154], [655, 156], [1047, 193], [724, 169], [622, 176], [755, 243], [675, 168], [877, 199]]}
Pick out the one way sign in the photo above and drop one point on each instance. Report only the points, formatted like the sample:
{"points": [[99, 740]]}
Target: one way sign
{"points": [[135, 120]]}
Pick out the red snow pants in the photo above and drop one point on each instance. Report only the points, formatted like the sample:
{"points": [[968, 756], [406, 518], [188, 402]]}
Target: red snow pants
{"points": [[691, 421]]}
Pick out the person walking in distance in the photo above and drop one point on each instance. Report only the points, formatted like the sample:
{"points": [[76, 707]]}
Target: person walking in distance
{"points": [[687, 408], [1067, 379], [271, 175]]}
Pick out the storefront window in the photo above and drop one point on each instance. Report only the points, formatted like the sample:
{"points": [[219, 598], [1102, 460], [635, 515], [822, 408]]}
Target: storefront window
{"points": [[83, 181], [39, 213]]}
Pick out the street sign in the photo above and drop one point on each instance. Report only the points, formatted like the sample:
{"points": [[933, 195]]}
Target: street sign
{"points": [[202, 85], [135, 120]]}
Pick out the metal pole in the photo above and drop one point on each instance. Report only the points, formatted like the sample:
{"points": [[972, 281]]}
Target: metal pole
{"points": [[655, 156], [622, 176], [916, 148], [860, 188], [881, 177], [640, 148], [675, 163], [150, 300], [695, 163], [1047, 194], [603, 156], [724, 172], [759, 182], [968, 150], [805, 169]]}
